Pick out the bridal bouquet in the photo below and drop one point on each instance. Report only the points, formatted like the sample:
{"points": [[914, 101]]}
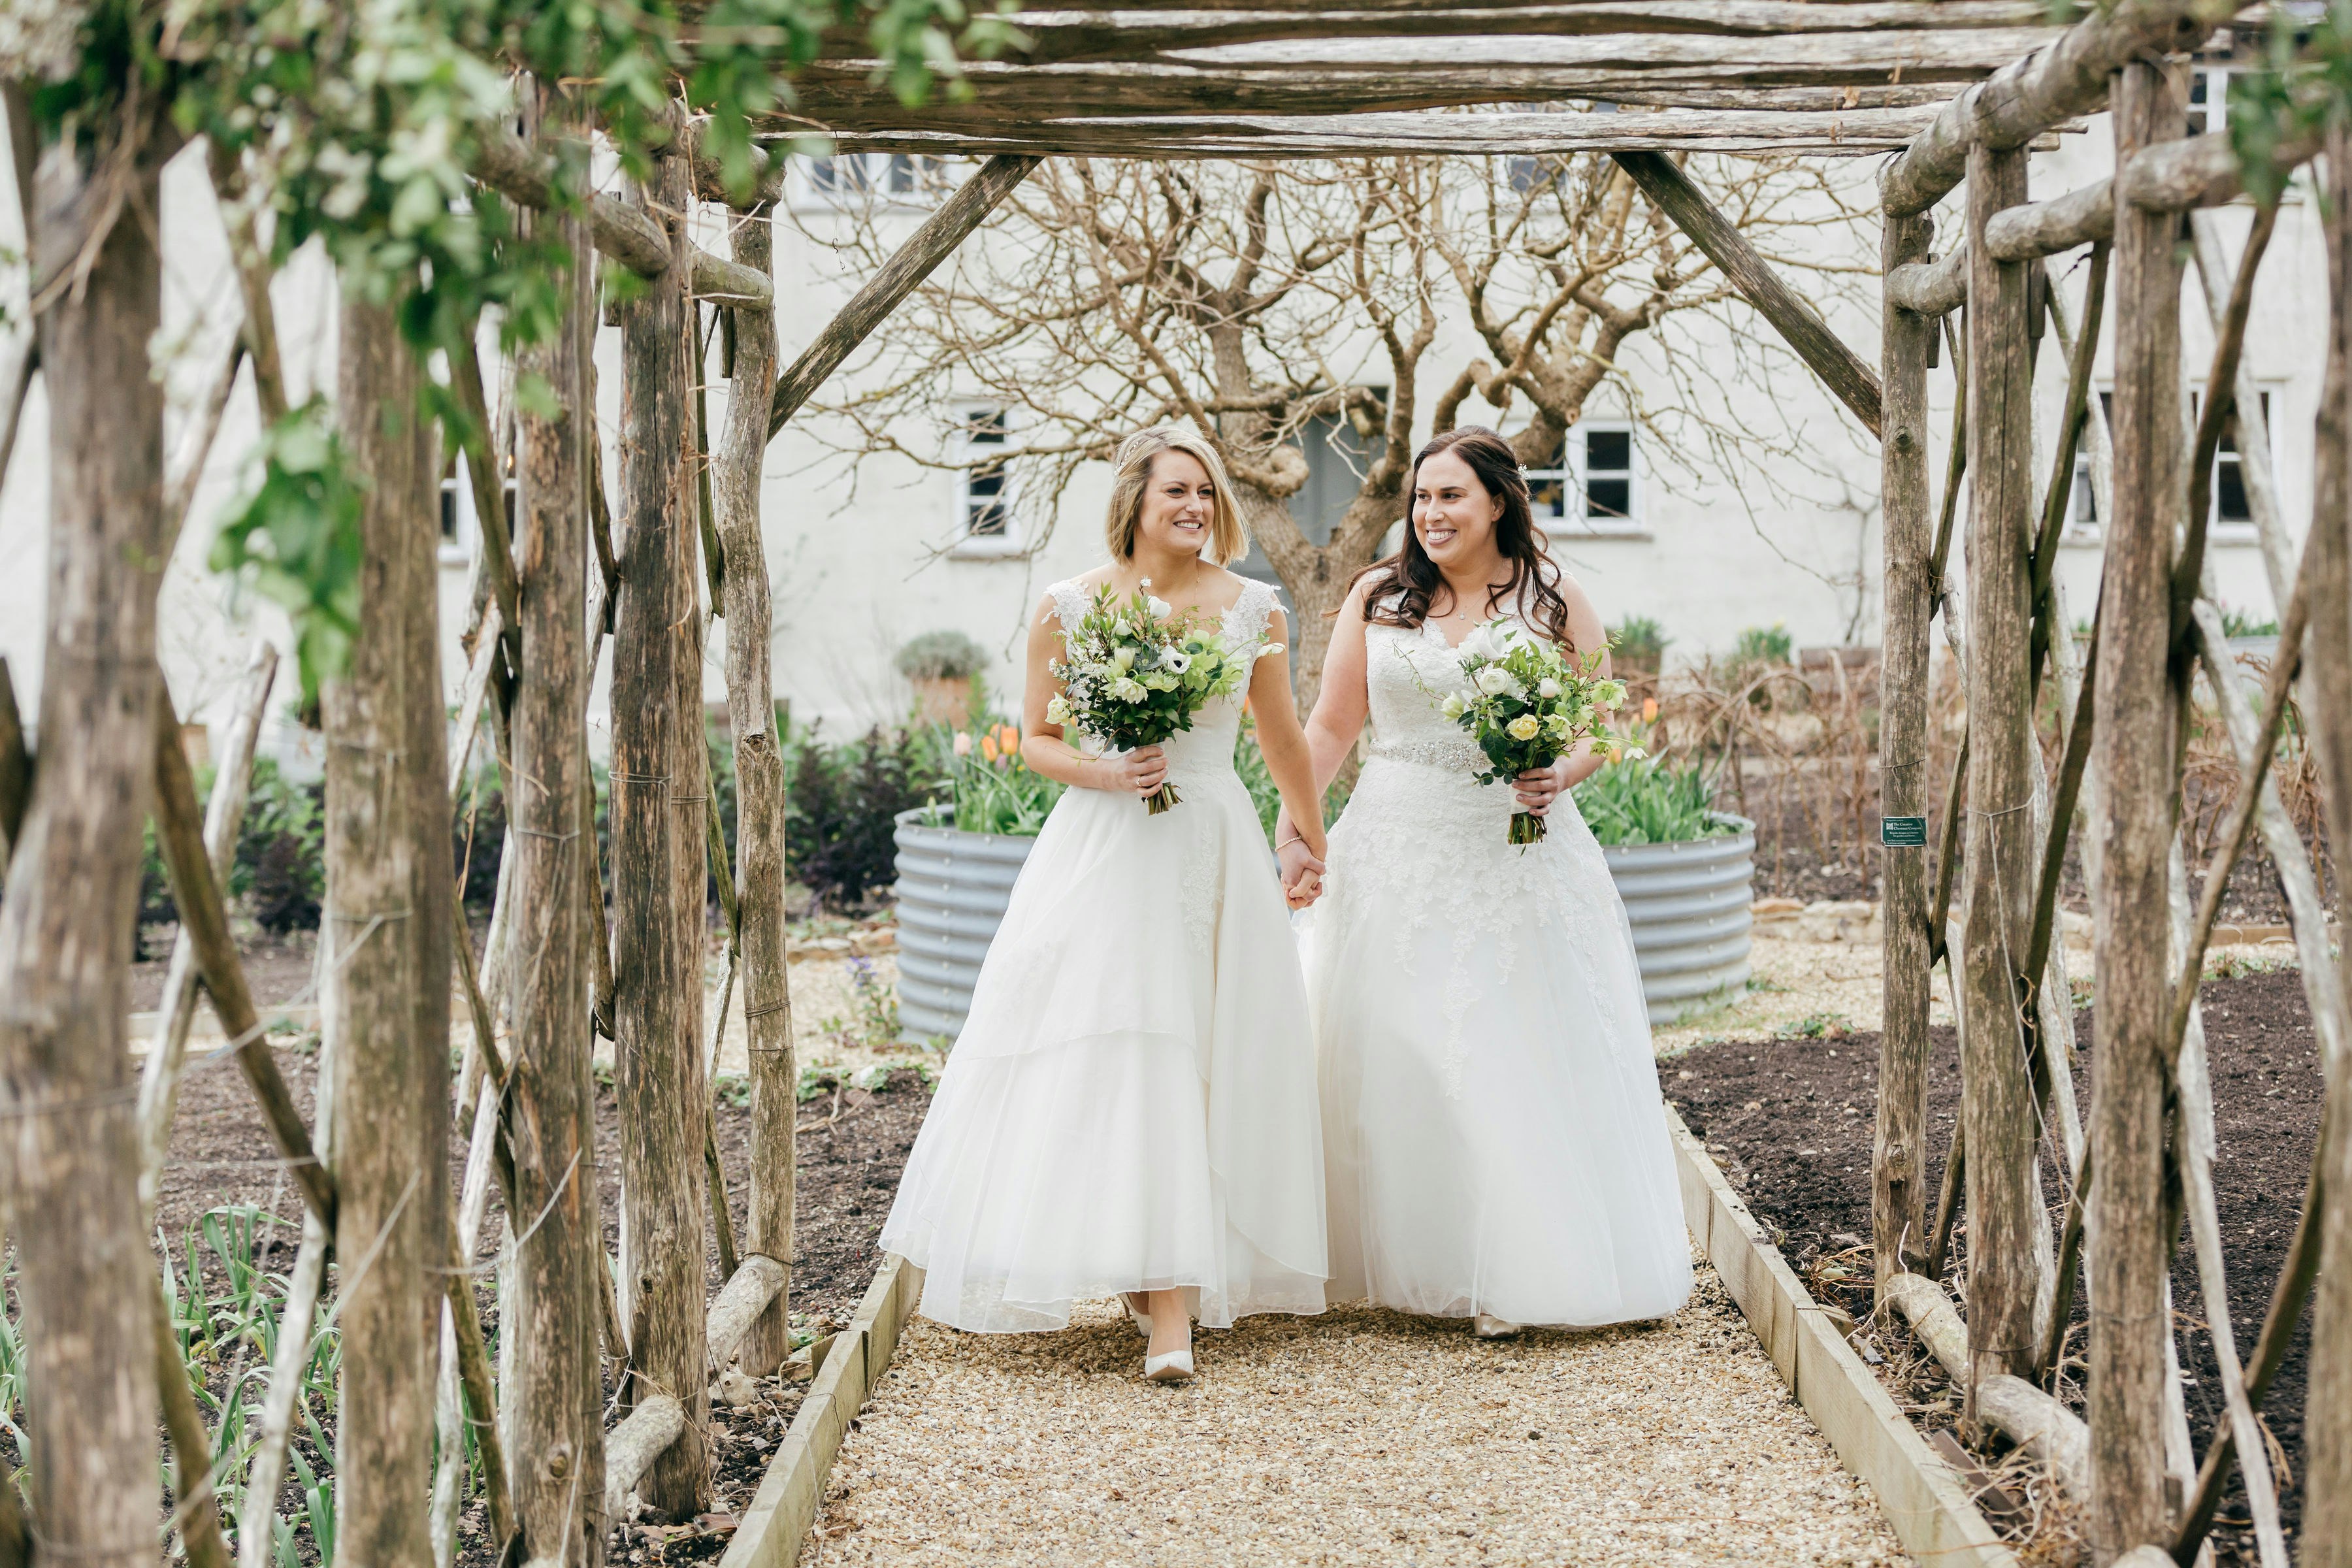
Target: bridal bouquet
{"points": [[1529, 703], [1133, 674]]}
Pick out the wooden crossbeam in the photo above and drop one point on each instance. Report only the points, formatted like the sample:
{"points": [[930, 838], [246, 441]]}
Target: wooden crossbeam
{"points": [[912, 262], [524, 176], [1359, 76], [1845, 372], [2067, 78], [1129, 32], [1832, 133], [2193, 172]]}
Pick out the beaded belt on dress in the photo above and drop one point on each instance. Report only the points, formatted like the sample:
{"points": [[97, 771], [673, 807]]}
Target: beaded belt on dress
{"points": [[1463, 755]]}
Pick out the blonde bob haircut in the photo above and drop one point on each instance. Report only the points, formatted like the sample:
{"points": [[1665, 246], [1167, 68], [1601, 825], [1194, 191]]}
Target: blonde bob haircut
{"points": [[1136, 454]]}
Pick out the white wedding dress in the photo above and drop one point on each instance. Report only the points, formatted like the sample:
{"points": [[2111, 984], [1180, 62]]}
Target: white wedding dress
{"points": [[1132, 1105], [1493, 1138]]}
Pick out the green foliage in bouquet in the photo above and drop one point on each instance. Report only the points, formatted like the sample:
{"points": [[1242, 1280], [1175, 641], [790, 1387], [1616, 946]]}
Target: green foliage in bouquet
{"points": [[1531, 703], [1133, 674]]}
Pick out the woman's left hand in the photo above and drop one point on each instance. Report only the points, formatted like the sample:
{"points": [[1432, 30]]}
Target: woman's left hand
{"points": [[1536, 789]]}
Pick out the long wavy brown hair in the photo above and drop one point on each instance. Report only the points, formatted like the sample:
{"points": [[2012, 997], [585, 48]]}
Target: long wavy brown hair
{"points": [[1403, 585]]}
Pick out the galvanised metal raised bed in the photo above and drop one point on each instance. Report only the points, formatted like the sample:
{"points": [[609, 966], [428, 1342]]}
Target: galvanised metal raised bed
{"points": [[952, 889], [1688, 905]]}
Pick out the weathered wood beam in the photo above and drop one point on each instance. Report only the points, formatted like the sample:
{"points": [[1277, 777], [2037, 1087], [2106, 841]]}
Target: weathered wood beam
{"points": [[1671, 192], [628, 236], [180, 837], [1125, 32], [912, 262], [167, 1050], [551, 1309], [2127, 1246], [657, 829], [1998, 1103], [630, 1448], [1899, 1140], [1835, 132], [2057, 81], [2178, 176], [840, 95], [745, 1298], [2328, 1471], [1927, 287], [2036, 1422]]}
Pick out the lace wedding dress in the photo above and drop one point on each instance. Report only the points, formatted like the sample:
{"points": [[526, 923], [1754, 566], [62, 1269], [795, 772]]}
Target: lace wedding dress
{"points": [[1132, 1105], [1494, 1139]]}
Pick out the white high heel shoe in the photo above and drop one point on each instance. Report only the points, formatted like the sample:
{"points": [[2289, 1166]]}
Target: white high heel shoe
{"points": [[1137, 1315], [1487, 1326], [1176, 1366]]}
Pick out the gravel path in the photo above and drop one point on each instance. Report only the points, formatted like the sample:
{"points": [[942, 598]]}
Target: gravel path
{"points": [[1363, 1436]]}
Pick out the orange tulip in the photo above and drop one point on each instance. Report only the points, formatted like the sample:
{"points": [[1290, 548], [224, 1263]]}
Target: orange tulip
{"points": [[1008, 739], [1649, 711], [988, 745]]}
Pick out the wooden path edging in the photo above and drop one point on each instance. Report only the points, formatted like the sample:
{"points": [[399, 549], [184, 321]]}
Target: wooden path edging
{"points": [[1921, 1497], [782, 1511], [1917, 1491]]}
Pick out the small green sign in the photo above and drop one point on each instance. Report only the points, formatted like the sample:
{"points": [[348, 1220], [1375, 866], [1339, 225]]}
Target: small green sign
{"points": [[1903, 832]]}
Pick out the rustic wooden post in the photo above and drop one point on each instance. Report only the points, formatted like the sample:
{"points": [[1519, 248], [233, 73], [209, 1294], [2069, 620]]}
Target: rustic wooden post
{"points": [[2133, 732], [390, 1222], [1997, 1092], [657, 937], [758, 798], [557, 1468], [1900, 1152], [66, 1103], [2327, 1426]]}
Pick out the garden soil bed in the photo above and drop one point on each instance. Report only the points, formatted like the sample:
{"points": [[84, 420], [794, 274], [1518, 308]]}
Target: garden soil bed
{"points": [[1790, 1124], [852, 1147]]}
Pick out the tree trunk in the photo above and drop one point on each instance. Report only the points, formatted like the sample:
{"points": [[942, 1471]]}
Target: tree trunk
{"points": [[380, 915], [759, 800], [67, 1102], [2133, 731], [1316, 577], [557, 1465], [657, 932], [2327, 1478], [1900, 1152], [1997, 1092]]}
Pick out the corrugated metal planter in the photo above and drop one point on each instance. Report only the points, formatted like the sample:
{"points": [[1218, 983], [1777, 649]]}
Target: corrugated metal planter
{"points": [[1688, 903], [952, 889]]}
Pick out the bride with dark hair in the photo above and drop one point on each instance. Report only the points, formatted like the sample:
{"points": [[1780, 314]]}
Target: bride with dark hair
{"points": [[1495, 1147]]}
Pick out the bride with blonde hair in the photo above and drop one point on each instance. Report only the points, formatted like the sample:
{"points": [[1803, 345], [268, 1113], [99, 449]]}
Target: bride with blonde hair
{"points": [[1131, 1108]]}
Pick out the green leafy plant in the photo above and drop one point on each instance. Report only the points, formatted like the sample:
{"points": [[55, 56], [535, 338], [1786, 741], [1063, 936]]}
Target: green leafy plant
{"points": [[940, 656], [2238, 623], [842, 803], [1637, 643], [295, 539], [1647, 800], [992, 789]]}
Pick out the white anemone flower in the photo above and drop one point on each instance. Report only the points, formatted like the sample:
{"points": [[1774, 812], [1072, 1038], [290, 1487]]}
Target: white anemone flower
{"points": [[1497, 682]]}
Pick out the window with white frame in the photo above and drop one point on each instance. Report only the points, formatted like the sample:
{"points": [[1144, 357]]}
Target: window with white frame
{"points": [[2228, 514], [1593, 485], [2209, 100], [862, 177], [984, 440], [461, 524]]}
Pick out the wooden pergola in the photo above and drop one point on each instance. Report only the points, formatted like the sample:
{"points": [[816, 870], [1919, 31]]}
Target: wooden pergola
{"points": [[1953, 94]]}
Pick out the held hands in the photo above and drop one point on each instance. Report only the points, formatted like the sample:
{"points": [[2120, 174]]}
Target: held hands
{"points": [[1536, 789], [1302, 873], [1140, 771]]}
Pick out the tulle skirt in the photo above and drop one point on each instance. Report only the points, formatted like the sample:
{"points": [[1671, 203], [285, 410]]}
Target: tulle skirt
{"points": [[1132, 1105], [1494, 1137]]}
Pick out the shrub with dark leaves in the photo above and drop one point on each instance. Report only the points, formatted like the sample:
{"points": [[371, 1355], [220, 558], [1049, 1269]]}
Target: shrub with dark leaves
{"points": [[841, 803]]}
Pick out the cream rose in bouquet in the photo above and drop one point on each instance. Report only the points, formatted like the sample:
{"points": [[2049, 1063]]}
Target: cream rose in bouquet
{"points": [[1529, 703], [1134, 673]]}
